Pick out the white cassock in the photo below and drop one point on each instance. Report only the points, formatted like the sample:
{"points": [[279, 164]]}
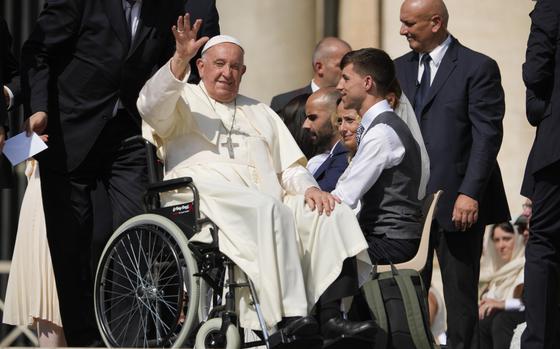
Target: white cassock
{"points": [[255, 198]]}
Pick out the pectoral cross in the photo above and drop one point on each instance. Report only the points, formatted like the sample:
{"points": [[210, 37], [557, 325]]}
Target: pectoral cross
{"points": [[229, 144]]}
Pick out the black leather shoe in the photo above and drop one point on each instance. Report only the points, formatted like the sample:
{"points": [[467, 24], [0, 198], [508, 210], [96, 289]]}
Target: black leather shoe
{"points": [[337, 328], [295, 331], [301, 326]]}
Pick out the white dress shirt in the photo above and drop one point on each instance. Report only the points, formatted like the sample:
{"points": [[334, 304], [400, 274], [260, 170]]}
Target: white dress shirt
{"points": [[380, 148], [315, 162], [437, 56], [314, 86]]}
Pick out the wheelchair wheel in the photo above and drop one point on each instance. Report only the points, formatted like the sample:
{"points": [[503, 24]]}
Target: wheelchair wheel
{"points": [[208, 336], [145, 291]]}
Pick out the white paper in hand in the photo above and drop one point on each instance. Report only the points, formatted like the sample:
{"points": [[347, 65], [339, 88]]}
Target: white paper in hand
{"points": [[21, 147]]}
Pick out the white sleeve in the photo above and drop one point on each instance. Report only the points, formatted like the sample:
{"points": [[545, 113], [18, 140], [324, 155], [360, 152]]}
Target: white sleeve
{"points": [[296, 179], [514, 304], [380, 149], [158, 99]]}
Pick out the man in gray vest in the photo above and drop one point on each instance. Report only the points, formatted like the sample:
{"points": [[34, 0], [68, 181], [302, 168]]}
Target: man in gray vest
{"points": [[384, 176]]}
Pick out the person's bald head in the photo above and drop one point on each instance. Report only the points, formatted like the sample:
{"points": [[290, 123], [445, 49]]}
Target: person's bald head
{"points": [[326, 61], [424, 24], [320, 121]]}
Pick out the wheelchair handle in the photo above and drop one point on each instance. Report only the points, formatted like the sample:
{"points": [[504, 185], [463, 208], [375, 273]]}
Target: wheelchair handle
{"points": [[151, 157]]}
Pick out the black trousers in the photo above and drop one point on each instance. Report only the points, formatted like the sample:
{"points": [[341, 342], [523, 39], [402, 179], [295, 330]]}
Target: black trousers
{"points": [[69, 218], [542, 257], [496, 330], [383, 250], [459, 259]]}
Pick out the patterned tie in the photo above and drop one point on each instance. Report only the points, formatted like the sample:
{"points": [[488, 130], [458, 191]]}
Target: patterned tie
{"points": [[128, 15], [422, 91], [359, 133]]}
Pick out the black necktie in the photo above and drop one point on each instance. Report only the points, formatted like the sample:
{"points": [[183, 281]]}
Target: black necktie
{"points": [[128, 15], [422, 91]]}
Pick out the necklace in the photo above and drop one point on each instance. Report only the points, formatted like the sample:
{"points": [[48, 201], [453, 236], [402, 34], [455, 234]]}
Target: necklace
{"points": [[229, 143]]}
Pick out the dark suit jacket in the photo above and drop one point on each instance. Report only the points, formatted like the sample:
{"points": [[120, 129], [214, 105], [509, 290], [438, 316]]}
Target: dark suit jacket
{"points": [[462, 128], [79, 61], [9, 77], [541, 74], [278, 102], [331, 169]]}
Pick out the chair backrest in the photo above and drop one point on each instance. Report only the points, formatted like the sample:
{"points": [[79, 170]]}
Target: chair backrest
{"points": [[419, 260]]}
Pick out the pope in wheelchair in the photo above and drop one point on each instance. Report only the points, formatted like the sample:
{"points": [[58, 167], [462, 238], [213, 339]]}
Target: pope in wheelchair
{"points": [[294, 249]]}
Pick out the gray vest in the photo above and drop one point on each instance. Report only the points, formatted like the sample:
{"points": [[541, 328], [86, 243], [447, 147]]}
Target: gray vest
{"points": [[391, 206]]}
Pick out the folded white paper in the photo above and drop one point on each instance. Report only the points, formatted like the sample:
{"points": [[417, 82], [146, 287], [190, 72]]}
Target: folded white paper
{"points": [[21, 147]]}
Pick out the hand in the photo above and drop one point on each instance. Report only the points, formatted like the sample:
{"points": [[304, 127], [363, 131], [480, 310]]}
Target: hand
{"points": [[186, 44], [2, 137], [489, 306], [324, 201], [465, 212], [36, 123]]}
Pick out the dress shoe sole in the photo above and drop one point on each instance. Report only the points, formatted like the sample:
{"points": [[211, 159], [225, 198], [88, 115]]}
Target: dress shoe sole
{"points": [[345, 341]]}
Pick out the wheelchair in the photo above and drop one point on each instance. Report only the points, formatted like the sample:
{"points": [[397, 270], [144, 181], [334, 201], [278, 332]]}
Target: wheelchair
{"points": [[155, 288]]}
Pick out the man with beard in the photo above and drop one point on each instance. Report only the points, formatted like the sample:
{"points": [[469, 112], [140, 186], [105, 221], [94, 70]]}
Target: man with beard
{"points": [[331, 160]]}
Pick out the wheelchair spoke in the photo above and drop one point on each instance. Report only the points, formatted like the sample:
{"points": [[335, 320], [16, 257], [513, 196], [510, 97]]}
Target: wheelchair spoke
{"points": [[134, 262], [111, 300], [142, 289], [142, 253], [127, 269], [124, 320]]}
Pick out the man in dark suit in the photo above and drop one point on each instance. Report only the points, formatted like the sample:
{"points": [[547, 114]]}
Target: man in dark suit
{"points": [[83, 67], [9, 78], [541, 74], [320, 124], [326, 70], [459, 102]]}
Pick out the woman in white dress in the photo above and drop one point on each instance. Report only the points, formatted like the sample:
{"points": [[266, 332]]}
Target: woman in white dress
{"points": [[31, 297]]}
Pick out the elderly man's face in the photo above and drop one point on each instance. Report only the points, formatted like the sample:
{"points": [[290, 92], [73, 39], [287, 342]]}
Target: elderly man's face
{"points": [[318, 122], [221, 69], [418, 27]]}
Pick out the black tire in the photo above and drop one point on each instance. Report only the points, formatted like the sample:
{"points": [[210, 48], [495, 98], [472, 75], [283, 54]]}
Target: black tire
{"points": [[145, 291]]}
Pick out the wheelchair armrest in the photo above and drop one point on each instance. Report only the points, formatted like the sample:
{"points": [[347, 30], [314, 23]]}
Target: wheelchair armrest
{"points": [[169, 185]]}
